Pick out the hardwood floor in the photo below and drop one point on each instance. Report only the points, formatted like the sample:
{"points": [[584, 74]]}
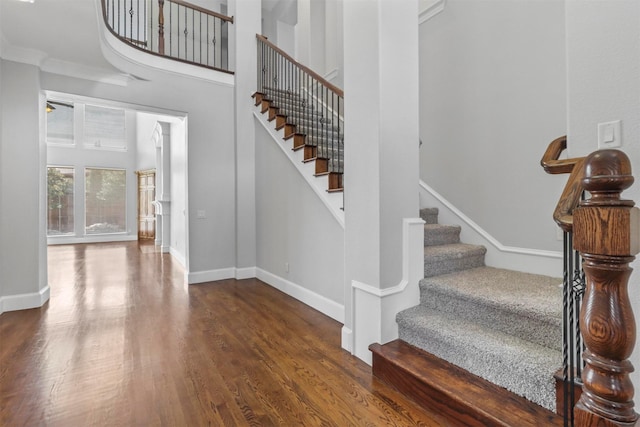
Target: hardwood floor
{"points": [[123, 342]]}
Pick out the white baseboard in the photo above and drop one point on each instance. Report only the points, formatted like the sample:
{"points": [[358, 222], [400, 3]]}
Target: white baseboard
{"points": [[98, 238], [312, 299], [245, 273], [179, 257], [24, 301], [347, 339], [210, 275]]}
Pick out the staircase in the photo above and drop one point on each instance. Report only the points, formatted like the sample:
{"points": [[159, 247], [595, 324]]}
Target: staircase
{"points": [[309, 129], [499, 325]]}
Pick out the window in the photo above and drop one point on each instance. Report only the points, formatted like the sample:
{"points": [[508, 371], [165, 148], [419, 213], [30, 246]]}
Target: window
{"points": [[59, 123], [105, 201], [104, 128], [59, 201]]}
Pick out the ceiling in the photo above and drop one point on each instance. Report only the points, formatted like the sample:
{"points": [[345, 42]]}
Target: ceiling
{"points": [[52, 30]]}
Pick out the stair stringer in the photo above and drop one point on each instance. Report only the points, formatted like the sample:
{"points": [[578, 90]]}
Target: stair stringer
{"points": [[319, 184], [527, 260]]}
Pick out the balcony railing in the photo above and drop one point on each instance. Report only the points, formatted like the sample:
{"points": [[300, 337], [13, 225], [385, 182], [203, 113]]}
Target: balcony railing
{"points": [[171, 28]]}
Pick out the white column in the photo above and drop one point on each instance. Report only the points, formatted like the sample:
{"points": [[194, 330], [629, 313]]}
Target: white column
{"points": [[381, 154], [247, 24]]}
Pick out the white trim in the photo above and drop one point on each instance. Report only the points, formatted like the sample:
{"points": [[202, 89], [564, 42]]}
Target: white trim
{"points": [[245, 273], [529, 260], [375, 309], [209, 275], [347, 339], [24, 301], [430, 11], [179, 257], [333, 201], [322, 304], [90, 238], [171, 116]]}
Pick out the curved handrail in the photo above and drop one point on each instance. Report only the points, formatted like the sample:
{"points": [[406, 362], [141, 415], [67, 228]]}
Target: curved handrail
{"points": [[572, 193], [203, 10], [304, 68], [147, 47]]}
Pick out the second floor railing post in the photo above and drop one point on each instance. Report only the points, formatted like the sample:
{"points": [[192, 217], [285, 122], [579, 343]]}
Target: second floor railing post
{"points": [[161, 27], [606, 231]]}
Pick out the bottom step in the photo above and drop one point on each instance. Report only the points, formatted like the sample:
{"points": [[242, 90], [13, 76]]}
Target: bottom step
{"points": [[453, 392]]}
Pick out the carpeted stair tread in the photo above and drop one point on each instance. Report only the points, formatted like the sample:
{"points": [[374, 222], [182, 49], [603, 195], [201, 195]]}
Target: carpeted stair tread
{"points": [[429, 215], [518, 365], [437, 234], [521, 304], [444, 259]]}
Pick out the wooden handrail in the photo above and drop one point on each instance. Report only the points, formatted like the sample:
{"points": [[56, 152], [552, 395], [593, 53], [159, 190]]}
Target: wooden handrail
{"points": [[572, 193], [304, 68], [203, 10], [551, 161]]}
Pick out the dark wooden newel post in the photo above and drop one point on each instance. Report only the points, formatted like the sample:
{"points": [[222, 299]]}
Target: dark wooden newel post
{"points": [[606, 234]]}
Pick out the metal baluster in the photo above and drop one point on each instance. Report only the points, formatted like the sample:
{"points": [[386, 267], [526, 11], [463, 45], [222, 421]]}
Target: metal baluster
{"points": [[186, 33], [151, 32], [193, 35]]}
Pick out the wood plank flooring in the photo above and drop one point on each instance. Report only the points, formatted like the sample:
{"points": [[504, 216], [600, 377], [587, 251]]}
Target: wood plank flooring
{"points": [[123, 342]]}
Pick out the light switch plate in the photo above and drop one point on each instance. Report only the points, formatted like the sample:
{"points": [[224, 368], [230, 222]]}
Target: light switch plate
{"points": [[609, 135]]}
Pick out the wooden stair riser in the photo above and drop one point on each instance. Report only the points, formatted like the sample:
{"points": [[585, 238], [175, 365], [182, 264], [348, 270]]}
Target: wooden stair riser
{"points": [[281, 120], [258, 98], [322, 166], [289, 130], [298, 141], [335, 181], [265, 105], [273, 112], [310, 152]]}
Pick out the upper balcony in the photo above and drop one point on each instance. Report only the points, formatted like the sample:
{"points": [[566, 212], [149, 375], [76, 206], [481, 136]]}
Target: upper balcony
{"points": [[148, 32]]}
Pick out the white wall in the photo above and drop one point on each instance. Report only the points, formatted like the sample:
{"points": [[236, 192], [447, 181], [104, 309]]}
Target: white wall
{"points": [[492, 96], [604, 85], [23, 270], [1, 164], [276, 23], [145, 146], [295, 227], [334, 54], [178, 229]]}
